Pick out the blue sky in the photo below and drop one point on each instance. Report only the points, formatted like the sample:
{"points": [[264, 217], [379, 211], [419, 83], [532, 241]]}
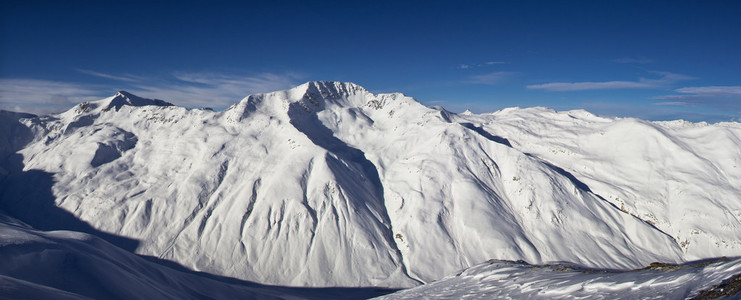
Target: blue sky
{"points": [[655, 60]]}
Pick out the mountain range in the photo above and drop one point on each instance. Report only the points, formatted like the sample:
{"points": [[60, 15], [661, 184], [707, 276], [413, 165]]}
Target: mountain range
{"points": [[329, 185]]}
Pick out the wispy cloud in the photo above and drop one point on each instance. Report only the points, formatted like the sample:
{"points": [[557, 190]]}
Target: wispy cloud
{"points": [[213, 89], [633, 60], [490, 78], [719, 97], [666, 78], [204, 89], [675, 103], [185, 89], [461, 106], [583, 86], [125, 77], [657, 113], [484, 64], [729, 91], [45, 96]]}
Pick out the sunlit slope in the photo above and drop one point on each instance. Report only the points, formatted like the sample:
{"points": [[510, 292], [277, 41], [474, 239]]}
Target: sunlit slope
{"points": [[72, 265], [498, 279], [682, 177], [327, 184]]}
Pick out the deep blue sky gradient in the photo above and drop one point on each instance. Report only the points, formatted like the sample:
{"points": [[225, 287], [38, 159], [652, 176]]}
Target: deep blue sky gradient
{"points": [[480, 55]]}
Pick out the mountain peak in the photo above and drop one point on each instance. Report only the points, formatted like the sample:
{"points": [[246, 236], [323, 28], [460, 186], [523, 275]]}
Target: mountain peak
{"points": [[126, 94], [125, 98], [336, 84], [331, 89], [311, 96]]}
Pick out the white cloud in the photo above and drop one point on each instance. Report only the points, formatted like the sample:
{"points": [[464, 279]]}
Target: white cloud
{"points": [[712, 90], [719, 97], [213, 89], [490, 78], [459, 106], [125, 77], [44, 96], [673, 103], [205, 89], [666, 78], [633, 60], [183, 89], [583, 86], [487, 63]]}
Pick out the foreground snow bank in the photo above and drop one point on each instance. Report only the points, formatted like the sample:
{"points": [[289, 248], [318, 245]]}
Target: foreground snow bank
{"points": [[499, 279], [71, 265]]}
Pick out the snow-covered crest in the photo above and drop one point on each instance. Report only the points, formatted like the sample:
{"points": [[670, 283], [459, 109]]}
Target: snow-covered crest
{"points": [[329, 184]]}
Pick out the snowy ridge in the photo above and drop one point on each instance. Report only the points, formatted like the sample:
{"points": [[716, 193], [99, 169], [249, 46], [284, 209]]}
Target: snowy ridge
{"points": [[72, 265], [327, 184], [498, 279], [680, 176]]}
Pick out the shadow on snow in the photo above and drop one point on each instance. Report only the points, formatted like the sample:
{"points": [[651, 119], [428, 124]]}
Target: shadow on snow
{"points": [[28, 197]]}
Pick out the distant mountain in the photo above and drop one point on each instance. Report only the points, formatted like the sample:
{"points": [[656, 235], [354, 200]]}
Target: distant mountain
{"points": [[327, 184]]}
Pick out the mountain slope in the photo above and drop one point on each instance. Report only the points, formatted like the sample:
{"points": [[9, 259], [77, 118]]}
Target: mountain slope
{"points": [[498, 279], [682, 177], [73, 265], [327, 184]]}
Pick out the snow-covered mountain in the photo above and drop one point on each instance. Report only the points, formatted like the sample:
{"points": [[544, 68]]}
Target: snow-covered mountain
{"points": [[327, 184]]}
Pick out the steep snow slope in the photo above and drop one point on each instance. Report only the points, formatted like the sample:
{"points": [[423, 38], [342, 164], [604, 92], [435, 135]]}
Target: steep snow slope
{"points": [[498, 279], [73, 265], [680, 176], [328, 184]]}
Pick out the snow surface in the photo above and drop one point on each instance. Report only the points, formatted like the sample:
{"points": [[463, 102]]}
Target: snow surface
{"points": [[327, 184], [498, 279], [65, 264], [73, 265], [681, 177]]}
